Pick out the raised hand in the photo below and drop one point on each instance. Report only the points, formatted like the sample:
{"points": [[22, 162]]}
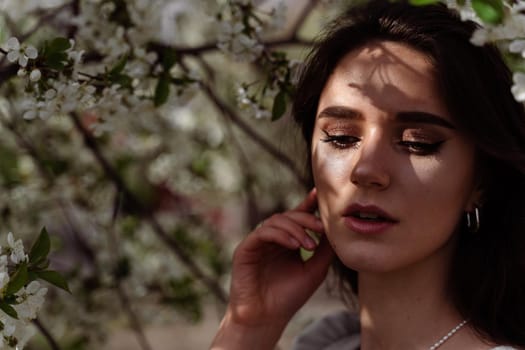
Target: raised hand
{"points": [[270, 281]]}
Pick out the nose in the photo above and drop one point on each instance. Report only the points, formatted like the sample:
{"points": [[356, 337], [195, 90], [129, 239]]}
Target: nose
{"points": [[370, 165]]}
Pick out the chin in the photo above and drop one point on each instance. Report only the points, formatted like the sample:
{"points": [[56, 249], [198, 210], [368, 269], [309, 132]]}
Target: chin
{"points": [[365, 260]]}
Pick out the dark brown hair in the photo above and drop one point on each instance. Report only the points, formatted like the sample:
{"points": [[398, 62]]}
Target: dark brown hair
{"points": [[487, 279]]}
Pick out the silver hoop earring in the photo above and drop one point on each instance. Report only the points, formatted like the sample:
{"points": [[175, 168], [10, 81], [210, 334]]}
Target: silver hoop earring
{"points": [[473, 220]]}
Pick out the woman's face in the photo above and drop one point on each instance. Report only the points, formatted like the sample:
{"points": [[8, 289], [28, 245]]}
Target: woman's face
{"points": [[393, 174]]}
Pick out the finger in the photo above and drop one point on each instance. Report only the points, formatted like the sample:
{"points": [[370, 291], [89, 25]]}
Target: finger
{"points": [[306, 220], [288, 225], [267, 234], [309, 204], [320, 262]]}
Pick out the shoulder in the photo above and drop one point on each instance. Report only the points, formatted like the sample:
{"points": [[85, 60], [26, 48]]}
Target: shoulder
{"points": [[335, 331]]}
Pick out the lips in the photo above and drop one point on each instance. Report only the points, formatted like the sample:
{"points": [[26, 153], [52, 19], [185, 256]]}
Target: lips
{"points": [[368, 219]]}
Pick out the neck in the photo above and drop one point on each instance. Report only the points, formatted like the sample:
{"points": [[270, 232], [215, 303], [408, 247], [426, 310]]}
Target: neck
{"points": [[397, 306]]}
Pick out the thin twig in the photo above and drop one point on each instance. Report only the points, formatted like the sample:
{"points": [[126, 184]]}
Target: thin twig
{"points": [[47, 335], [25, 144], [135, 323], [181, 254], [7, 72], [47, 16], [253, 208], [307, 9], [123, 297], [212, 284], [287, 40], [254, 136]]}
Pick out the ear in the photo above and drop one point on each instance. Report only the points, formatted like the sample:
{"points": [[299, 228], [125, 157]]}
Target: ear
{"points": [[475, 200]]}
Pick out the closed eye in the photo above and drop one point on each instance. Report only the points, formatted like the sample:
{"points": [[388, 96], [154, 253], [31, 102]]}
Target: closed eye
{"points": [[340, 141]]}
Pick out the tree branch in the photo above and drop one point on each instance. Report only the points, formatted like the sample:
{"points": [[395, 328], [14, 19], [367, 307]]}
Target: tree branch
{"points": [[307, 9], [33, 152], [181, 254], [267, 146], [134, 320], [123, 297], [47, 335], [45, 17]]}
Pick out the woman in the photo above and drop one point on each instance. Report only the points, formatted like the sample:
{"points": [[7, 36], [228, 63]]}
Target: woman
{"points": [[417, 155]]}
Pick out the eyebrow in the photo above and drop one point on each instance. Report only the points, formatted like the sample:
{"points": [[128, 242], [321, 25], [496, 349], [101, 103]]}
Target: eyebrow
{"points": [[425, 118], [343, 112], [340, 112]]}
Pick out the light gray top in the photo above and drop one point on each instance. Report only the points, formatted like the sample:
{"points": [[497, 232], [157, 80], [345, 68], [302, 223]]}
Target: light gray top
{"points": [[337, 331]]}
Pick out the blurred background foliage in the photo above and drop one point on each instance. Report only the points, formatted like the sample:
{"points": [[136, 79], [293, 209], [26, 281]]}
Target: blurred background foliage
{"points": [[148, 159]]}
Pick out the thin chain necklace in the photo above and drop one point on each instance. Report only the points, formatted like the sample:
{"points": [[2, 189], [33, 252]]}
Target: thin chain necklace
{"points": [[445, 338], [448, 335]]}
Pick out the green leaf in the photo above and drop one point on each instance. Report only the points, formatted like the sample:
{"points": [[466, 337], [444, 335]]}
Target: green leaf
{"points": [[40, 248], [9, 168], [59, 45], [56, 165], [8, 309], [185, 240], [307, 254], [122, 269], [119, 66], [56, 60], [54, 278], [279, 105], [423, 2], [18, 280], [123, 80], [31, 276], [168, 59], [162, 91], [200, 166], [490, 11]]}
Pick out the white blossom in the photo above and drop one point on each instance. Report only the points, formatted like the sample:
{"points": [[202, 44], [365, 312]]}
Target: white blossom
{"points": [[233, 39], [30, 299], [518, 89], [278, 16], [14, 333], [4, 275], [479, 37], [35, 75], [250, 104], [465, 10], [20, 53], [17, 249], [34, 108], [517, 46]]}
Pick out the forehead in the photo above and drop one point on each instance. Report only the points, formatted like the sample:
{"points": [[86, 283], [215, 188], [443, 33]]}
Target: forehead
{"points": [[387, 74]]}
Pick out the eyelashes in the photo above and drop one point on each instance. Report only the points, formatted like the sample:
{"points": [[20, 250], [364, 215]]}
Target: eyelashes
{"points": [[421, 148], [340, 141], [344, 141]]}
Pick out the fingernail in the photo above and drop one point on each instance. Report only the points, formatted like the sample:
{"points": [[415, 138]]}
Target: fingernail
{"points": [[309, 243]]}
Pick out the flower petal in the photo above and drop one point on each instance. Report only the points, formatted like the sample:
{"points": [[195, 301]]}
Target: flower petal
{"points": [[12, 56], [13, 43], [31, 52]]}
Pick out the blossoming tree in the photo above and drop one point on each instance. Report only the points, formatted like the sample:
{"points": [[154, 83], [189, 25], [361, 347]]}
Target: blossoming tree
{"points": [[138, 133]]}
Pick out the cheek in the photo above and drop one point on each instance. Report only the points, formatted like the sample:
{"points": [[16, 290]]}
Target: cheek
{"points": [[330, 170], [331, 173], [449, 179]]}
